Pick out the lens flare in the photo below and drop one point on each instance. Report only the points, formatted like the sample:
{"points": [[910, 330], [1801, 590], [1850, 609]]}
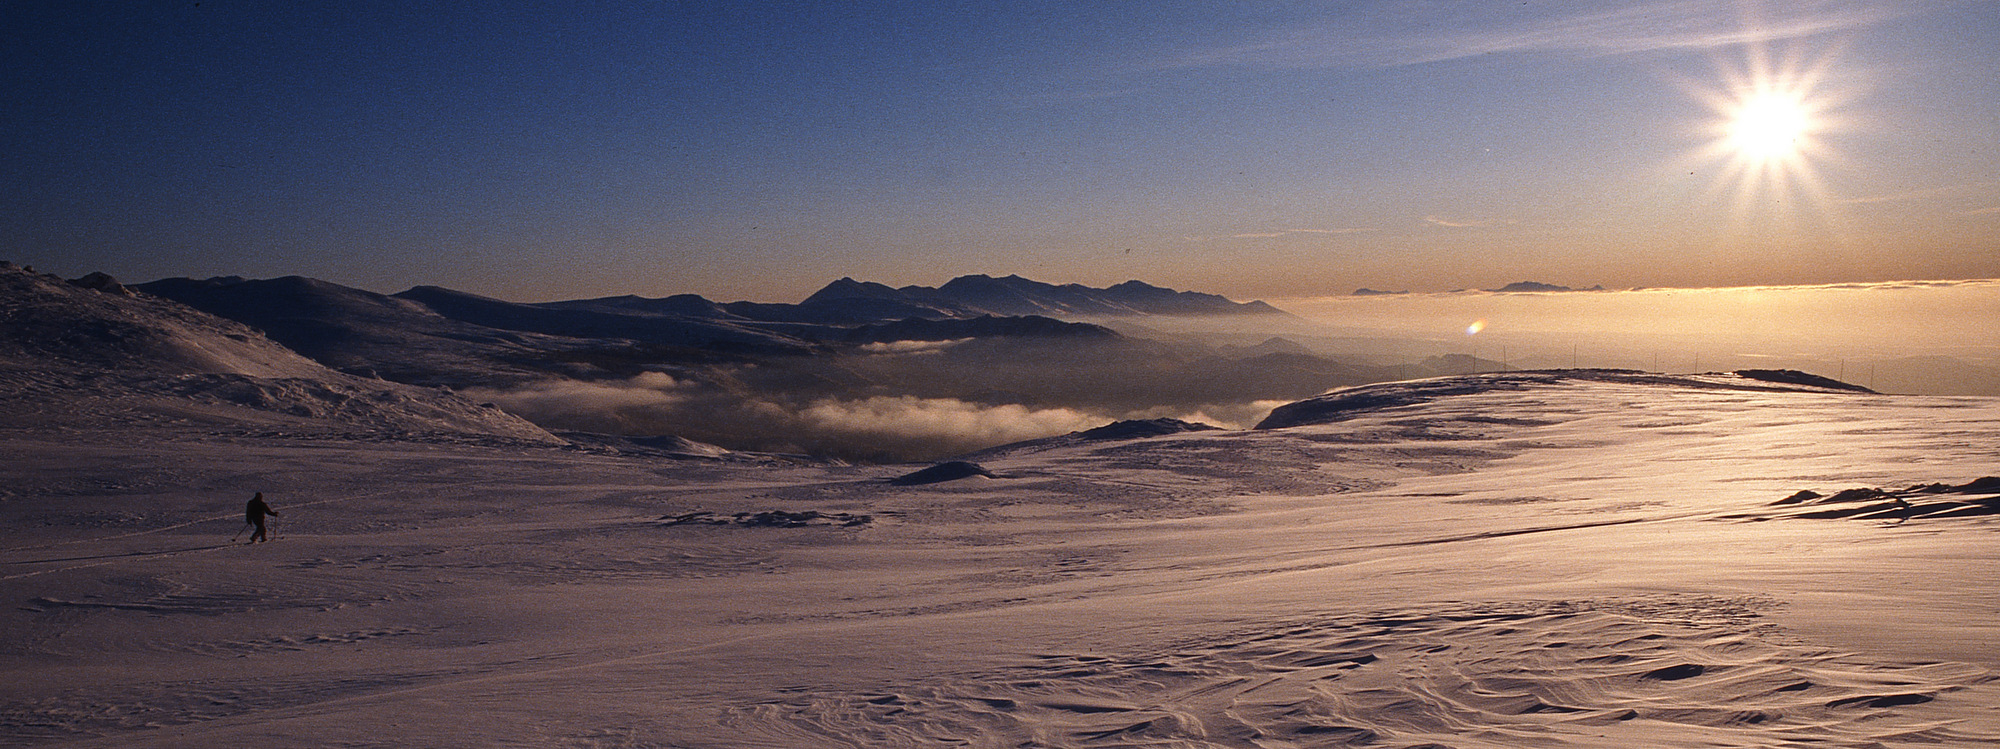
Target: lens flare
{"points": [[1475, 327]]}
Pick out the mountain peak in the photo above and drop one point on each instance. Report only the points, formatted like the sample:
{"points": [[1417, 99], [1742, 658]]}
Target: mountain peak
{"points": [[1015, 295], [848, 288], [1537, 286]]}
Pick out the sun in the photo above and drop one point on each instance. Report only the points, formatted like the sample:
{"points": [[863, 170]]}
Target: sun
{"points": [[1772, 117], [1770, 125]]}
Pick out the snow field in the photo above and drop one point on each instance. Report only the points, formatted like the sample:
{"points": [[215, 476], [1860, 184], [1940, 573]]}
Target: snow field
{"points": [[1571, 564]]}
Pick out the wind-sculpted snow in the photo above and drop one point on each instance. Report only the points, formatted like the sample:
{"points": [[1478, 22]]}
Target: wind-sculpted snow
{"points": [[1934, 501], [1656, 671], [1591, 561]]}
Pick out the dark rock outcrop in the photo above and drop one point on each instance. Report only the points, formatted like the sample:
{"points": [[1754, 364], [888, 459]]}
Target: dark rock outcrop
{"points": [[951, 470]]}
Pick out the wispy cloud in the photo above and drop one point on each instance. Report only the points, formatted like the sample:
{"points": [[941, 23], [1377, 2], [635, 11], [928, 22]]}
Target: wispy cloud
{"points": [[1456, 223], [1922, 194], [1274, 234], [1389, 34]]}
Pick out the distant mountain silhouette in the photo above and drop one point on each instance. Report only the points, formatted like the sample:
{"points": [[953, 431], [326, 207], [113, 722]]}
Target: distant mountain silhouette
{"points": [[1535, 286], [1016, 296], [985, 326]]}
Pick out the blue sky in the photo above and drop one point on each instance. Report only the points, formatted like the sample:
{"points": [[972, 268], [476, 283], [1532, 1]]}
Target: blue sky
{"points": [[538, 151]]}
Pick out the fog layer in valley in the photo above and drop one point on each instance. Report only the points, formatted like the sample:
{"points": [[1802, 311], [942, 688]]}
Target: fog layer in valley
{"points": [[862, 371]]}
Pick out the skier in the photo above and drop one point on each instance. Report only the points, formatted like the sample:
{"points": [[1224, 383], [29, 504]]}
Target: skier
{"points": [[254, 514]]}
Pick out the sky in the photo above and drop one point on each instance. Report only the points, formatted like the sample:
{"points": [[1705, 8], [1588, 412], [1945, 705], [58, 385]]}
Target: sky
{"points": [[758, 150]]}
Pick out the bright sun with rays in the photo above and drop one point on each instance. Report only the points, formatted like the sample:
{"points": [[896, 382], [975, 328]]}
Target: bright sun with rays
{"points": [[1770, 126], [1768, 139]]}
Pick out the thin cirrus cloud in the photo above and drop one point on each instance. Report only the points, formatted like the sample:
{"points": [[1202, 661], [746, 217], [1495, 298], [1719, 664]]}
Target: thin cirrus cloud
{"points": [[1923, 194], [1275, 234], [1456, 223], [1393, 34]]}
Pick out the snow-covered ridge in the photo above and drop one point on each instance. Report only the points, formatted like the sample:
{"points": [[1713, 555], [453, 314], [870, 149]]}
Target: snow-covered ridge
{"points": [[1014, 295], [98, 354], [53, 324], [1346, 403]]}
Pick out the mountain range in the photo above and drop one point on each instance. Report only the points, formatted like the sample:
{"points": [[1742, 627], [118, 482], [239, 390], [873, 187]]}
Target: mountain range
{"points": [[844, 373], [1014, 296], [454, 331]]}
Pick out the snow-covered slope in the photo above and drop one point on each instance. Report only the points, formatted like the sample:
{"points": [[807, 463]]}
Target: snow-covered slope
{"points": [[363, 332], [97, 355], [1593, 560], [655, 327], [53, 324]]}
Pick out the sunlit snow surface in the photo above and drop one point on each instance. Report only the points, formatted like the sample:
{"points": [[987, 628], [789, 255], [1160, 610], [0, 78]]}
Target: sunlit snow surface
{"points": [[1558, 562]]}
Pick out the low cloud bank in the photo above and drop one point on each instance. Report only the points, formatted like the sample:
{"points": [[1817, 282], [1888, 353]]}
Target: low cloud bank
{"points": [[895, 428], [1920, 337], [943, 421], [910, 347], [616, 407], [1906, 317]]}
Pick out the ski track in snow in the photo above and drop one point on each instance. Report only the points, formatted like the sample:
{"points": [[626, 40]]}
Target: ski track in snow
{"points": [[1567, 565]]}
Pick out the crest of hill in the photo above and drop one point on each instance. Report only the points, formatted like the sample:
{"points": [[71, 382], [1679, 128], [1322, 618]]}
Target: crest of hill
{"points": [[580, 321], [738, 327], [1345, 403], [357, 331], [1016, 296], [1118, 431], [93, 353], [100, 325]]}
